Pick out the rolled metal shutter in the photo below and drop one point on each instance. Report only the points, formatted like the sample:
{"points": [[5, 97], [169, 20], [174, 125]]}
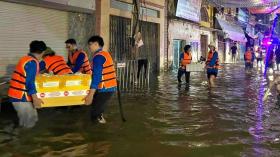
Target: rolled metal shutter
{"points": [[20, 24]]}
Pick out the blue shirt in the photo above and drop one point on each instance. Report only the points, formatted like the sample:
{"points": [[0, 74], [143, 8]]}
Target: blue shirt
{"points": [[214, 59], [97, 68], [213, 63], [42, 65], [79, 62], [31, 71]]}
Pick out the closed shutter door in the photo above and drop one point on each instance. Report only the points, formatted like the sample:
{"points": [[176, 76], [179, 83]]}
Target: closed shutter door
{"points": [[20, 24]]}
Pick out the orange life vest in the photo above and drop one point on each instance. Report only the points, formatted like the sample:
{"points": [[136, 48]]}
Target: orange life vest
{"points": [[57, 65], [17, 87], [186, 60], [86, 68], [248, 57], [109, 79], [210, 56]]}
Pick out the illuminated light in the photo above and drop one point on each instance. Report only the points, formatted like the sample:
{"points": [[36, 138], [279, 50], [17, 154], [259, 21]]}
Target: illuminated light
{"points": [[270, 71], [270, 77], [269, 43]]}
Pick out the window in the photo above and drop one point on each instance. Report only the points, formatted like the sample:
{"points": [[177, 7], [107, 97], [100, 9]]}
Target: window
{"points": [[204, 14]]}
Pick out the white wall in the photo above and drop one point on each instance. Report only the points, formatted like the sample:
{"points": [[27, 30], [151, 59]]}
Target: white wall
{"points": [[188, 32]]}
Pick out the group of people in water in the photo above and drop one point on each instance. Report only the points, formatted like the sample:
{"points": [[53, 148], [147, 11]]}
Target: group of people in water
{"points": [[265, 59], [22, 90], [212, 65]]}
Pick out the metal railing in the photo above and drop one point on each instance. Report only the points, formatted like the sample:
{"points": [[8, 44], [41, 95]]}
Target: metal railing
{"points": [[133, 78]]}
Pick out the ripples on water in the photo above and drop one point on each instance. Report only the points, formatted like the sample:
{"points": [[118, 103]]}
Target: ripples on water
{"points": [[167, 120]]}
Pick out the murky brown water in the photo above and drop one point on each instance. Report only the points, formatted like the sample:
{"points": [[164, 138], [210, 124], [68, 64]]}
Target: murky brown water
{"points": [[166, 121]]}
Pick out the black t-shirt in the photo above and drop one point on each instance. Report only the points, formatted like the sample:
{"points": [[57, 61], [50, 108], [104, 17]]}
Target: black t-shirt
{"points": [[233, 49]]}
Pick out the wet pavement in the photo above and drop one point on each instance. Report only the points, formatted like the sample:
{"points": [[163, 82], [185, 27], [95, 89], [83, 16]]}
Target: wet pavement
{"points": [[165, 121]]}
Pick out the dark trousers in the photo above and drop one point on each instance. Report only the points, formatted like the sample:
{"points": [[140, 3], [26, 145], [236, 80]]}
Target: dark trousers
{"points": [[142, 63], [99, 104], [181, 72]]}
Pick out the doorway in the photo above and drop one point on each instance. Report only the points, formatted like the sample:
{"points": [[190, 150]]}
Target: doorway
{"points": [[178, 46], [203, 45]]}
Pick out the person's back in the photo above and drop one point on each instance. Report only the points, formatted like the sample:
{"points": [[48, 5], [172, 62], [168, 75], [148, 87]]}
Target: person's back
{"points": [[57, 65], [53, 63], [248, 57], [234, 52], [22, 91]]}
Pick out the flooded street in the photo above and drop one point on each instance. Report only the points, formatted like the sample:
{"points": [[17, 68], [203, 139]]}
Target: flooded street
{"points": [[164, 121]]}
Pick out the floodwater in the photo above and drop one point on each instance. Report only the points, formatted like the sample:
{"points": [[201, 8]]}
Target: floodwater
{"points": [[164, 121]]}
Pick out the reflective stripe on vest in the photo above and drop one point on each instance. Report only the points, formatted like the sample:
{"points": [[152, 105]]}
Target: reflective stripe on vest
{"points": [[17, 87], [86, 68], [57, 65], [109, 79], [210, 56], [186, 59], [248, 56]]}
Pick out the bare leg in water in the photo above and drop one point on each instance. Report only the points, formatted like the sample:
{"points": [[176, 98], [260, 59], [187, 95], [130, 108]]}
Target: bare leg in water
{"points": [[211, 81]]}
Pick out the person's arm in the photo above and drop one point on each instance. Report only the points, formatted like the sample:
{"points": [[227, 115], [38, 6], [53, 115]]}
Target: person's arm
{"points": [[42, 67], [213, 60], [79, 62], [31, 71], [68, 62], [98, 62]]}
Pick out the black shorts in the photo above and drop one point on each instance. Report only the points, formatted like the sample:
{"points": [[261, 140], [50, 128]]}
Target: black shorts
{"points": [[212, 72]]}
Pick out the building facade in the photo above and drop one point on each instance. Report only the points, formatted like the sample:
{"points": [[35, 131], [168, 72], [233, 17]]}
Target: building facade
{"points": [[196, 29], [114, 24], [51, 21]]}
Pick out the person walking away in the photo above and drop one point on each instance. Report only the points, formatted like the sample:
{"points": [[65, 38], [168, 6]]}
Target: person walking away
{"points": [[277, 55], [234, 52], [212, 65], [259, 56], [248, 57], [104, 81], [270, 63], [54, 64], [185, 59], [77, 58], [22, 91], [253, 58]]}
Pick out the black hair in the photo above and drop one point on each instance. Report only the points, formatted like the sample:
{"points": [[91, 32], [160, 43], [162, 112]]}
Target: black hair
{"points": [[187, 47], [37, 47], [71, 41], [97, 39]]}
